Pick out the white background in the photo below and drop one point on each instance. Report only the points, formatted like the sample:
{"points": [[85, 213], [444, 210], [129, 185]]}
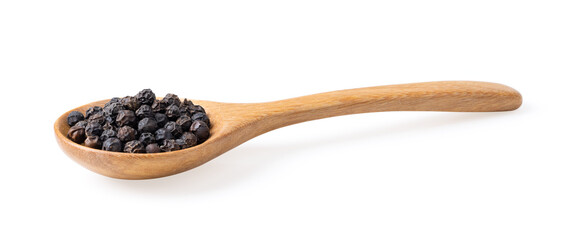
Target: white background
{"points": [[400, 175]]}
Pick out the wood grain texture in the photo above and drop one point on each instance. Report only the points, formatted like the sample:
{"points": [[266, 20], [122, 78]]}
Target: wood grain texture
{"points": [[235, 123]]}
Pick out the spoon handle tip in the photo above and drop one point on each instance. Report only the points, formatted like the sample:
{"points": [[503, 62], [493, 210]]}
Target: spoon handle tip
{"points": [[451, 96]]}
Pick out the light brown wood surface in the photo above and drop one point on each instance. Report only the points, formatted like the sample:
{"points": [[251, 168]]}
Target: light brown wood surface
{"points": [[235, 123]]}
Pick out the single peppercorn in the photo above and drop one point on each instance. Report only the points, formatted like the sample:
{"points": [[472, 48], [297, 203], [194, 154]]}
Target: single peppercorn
{"points": [[126, 118], [187, 102], [201, 130], [108, 133], [184, 122], [152, 148], [113, 109], [189, 138], [81, 124], [112, 144], [174, 129], [92, 110], [169, 145], [181, 143], [161, 119], [183, 110], [199, 108], [77, 134], [191, 110], [144, 111], [162, 134], [97, 117], [147, 138], [171, 99], [158, 107], [187, 107], [134, 146], [147, 125], [126, 134], [172, 112], [130, 103], [111, 120], [74, 117], [93, 142], [145, 96], [113, 100], [201, 116], [94, 129]]}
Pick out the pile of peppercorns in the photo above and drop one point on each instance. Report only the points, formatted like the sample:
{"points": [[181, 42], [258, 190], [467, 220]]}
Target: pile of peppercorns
{"points": [[141, 124]]}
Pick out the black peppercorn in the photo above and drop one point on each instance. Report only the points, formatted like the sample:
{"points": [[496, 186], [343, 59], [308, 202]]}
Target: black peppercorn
{"points": [[112, 144], [198, 108], [92, 110], [145, 96], [126, 118], [81, 124], [134, 146], [171, 99], [172, 112], [184, 122], [147, 138], [158, 107], [77, 134], [147, 125], [183, 110], [94, 129], [126, 134], [144, 111], [108, 125], [174, 129], [187, 102], [181, 143], [189, 108], [189, 138], [161, 119], [201, 116], [153, 148], [74, 117], [93, 142], [165, 125], [113, 100], [113, 109], [130, 103], [97, 117], [111, 120], [162, 134], [201, 130], [108, 133], [169, 145]]}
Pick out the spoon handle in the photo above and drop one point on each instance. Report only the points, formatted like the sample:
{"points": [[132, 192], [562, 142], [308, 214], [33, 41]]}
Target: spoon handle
{"points": [[451, 96]]}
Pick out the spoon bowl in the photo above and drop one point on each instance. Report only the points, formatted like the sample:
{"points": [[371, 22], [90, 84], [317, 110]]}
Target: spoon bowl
{"points": [[152, 165], [235, 123]]}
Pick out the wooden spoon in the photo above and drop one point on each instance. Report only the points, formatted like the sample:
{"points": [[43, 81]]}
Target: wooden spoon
{"points": [[235, 123]]}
